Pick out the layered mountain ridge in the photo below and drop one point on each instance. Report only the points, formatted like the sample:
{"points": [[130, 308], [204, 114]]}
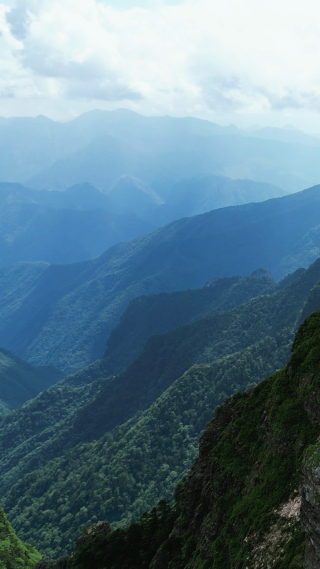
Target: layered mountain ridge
{"points": [[82, 460], [63, 314], [81, 222], [101, 146], [20, 381], [61, 227], [240, 504], [157, 333]]}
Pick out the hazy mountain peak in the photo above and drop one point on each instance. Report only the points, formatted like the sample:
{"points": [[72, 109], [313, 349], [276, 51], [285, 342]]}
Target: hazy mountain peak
{"points": [[132, 195], [82, 189], [290, 127], [262, 274]]}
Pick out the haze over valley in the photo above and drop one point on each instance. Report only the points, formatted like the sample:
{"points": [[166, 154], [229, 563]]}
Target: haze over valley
{"points": [[230, 262], [159, 285]]}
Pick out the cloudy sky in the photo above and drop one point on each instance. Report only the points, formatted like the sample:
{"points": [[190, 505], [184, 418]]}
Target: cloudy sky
{"points": [[241, 61]]}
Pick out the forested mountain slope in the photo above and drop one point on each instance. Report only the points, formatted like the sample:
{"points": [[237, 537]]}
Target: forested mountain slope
{"points": [[167, 356], [132, 467], [21, 381], [186, 198], [240, 504], [204, 193], [63, 402], [159, 313], [38, 226], [14, 554], [81, 222], [91, 433], [63, 314]]}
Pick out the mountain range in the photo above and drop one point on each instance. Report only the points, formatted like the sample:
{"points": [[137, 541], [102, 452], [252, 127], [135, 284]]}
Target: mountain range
{"points": [[251, 498], [62, 315], [21, 381], [81, 222], [60, 227], [109, 447], [101, 146], [201, 194], [131, 255]]}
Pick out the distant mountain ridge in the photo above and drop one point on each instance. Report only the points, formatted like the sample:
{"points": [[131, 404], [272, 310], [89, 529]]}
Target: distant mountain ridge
{"points": [[157, 314], [61, 227], [202, 194], [101, 146], [287, 134], [62, 315], [81, 222], [161, 151]]}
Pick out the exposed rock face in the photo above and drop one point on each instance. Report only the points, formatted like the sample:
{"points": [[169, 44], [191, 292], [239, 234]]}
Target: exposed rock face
{"points": [[240, 506], [92, 531], [262, 274], [255, 442], [310, 509], [268, 549]]}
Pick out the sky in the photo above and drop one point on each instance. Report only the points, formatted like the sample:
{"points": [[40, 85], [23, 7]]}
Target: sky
{"points": [[246, 62]]}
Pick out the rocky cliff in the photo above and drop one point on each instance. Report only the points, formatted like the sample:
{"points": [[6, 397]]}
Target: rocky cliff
{"points": [[310, 509], [240, 507], [257, 468]]}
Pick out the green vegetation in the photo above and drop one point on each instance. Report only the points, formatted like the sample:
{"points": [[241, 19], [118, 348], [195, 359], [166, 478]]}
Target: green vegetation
{"points": [[252, 452], [20, 381], [249, 466], [85, 406], [42, 429], [13, 553], [62, 315], [86, 437], [157, 314], [128, 470], [130, 548]]}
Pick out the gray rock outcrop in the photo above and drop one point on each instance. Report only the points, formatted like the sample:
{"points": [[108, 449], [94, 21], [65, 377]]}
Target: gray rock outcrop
{"points": [[310, 511]]}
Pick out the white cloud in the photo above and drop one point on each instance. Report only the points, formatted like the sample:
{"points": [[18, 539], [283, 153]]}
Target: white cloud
{"points": [[240, 58]]}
